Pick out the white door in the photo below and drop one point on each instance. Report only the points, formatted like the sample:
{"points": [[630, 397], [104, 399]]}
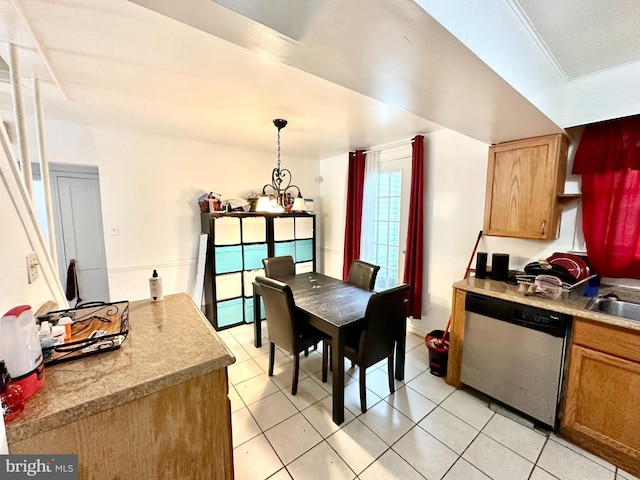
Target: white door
{"points": [[391, 218], [79, 232]]}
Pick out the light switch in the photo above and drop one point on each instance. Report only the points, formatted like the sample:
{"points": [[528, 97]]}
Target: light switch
{"points": [[33, 267]]}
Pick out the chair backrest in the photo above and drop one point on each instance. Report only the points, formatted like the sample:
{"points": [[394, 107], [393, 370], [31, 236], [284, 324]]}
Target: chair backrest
{"points": [[362, 274], [385, 313], [279, 267], [279, 306]]}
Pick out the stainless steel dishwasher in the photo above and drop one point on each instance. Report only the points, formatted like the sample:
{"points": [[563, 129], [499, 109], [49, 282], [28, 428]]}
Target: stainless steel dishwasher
{"points": [[515, 353]]}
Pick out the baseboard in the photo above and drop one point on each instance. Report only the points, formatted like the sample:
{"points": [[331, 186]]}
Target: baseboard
{"points": [[620, 459]]}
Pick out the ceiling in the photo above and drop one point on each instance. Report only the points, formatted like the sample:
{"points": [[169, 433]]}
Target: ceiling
{"points": [[345, 75], [583, 38]]}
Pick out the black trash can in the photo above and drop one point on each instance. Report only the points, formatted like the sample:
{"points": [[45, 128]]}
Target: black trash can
{"points": [[438, 352]]}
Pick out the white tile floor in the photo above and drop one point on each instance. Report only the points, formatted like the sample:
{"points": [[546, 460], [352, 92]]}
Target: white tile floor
{"points": [[427, 429]]}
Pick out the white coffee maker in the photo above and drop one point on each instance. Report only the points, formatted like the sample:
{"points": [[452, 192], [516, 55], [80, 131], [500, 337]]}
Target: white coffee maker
{"points": [[20, 349]]}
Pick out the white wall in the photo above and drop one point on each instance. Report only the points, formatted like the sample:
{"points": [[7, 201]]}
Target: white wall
{"points": [[455, 176], [493, 32], [603, 96], [333, 192], [20, 236], [513, 54], [149, 186]]}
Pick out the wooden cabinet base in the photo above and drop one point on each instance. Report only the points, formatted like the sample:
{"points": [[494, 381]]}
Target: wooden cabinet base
{"points": [[182, 432], [608, 453], [603, 384], [456, 337]]}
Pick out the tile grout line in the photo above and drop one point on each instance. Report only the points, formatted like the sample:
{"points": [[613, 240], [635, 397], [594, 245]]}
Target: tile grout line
{"points": [[405, 384], [325, 439], [538, 459], [263, 432], [615, 468], [389, 447], [465, 449]]}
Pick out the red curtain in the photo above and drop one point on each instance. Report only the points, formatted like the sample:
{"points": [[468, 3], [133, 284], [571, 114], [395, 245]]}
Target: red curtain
{"points": [[609, 146], [355, 189], [611, 222], [608, 157], [415, 233]]}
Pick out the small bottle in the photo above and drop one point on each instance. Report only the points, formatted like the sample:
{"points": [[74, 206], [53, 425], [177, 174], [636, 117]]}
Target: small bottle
{"points": [[47, 341], [11, 397], [58, 332], [66, 321], [155, 287]]}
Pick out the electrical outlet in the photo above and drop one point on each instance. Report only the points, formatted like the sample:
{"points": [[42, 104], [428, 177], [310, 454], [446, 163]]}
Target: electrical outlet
{"points": [[33, 267]]}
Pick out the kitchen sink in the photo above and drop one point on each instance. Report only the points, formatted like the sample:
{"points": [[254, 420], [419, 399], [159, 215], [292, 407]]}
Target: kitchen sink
{"points": [[612, 305]]}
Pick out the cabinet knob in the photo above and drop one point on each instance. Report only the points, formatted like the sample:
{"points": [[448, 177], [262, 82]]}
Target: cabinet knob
{"points": [[544, 224]]}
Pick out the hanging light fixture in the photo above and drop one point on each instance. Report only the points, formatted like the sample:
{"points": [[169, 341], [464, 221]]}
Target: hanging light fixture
{"points": [[280, 184]]}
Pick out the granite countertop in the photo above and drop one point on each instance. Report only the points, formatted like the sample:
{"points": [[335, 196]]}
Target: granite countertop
{"points": [[169, 342], [574, 305]]}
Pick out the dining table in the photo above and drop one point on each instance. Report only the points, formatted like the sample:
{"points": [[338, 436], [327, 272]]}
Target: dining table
{"points": [[336, 308]]}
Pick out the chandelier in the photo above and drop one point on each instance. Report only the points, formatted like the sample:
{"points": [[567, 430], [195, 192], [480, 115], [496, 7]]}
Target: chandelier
{"points": [[275, 195]]}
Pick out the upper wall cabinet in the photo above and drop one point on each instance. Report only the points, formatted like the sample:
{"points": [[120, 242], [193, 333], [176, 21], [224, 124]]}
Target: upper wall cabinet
{"points": [[525, 180]]}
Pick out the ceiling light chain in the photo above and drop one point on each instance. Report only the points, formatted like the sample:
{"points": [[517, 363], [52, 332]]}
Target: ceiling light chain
{"points": [[278, 176]]}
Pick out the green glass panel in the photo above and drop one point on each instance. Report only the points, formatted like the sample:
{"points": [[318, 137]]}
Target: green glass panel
{"points": [[383, 184], [381, 254], [383, 232], [395, 184], [393, 258], [394, 209], [383, 210], [394, 233]]}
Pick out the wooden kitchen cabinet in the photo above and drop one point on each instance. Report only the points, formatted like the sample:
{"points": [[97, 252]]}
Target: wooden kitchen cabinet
{"points": [[156, 408], [181, 432], [524, 181], [600, 410]]}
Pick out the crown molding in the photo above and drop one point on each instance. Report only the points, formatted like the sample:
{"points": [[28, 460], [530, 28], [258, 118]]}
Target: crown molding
{"points": [[524, 19]]}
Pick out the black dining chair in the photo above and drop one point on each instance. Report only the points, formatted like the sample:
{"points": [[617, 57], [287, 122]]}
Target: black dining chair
{"points": [[385, 314], [362, 274], [286, 328], [279, 267]]}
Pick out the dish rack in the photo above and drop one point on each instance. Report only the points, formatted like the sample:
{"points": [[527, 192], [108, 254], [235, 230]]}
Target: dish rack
{"points": [[96, 327], [551, 287]]}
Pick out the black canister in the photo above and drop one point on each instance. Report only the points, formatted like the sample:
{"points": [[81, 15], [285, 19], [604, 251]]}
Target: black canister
{"points": [[500, 266], [481, 265]]}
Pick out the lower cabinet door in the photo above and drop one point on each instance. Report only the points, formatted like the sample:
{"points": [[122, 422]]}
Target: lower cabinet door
{"points": [[304, 250], [228, 259], [253, 255], [602, 396], [229, 313], [282, 249]]}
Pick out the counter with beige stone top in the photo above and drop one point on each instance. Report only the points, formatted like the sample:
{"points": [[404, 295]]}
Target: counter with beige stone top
{"points": [[156, 408], [602, 365], [574, 306]]}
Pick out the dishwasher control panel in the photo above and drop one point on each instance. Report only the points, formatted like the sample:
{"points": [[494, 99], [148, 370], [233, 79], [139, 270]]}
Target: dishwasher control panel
{"points": [[546, 321]]}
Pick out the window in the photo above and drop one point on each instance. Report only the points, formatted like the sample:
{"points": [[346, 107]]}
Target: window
{"points": [[385, 213], [387, 226]]}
